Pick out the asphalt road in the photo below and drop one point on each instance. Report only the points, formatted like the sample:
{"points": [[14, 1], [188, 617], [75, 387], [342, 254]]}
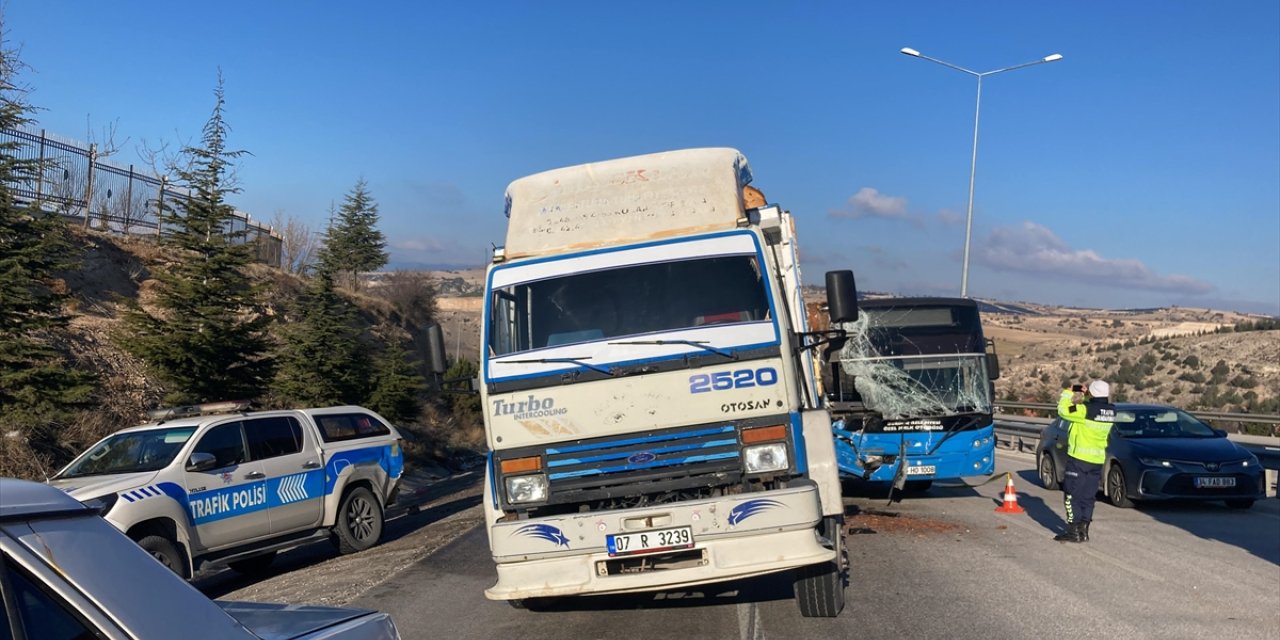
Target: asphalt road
{"points": [[939, 565], [942, 565]]}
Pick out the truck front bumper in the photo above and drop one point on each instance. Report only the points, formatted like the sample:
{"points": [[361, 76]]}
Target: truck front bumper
{"points": [[733, 537]]}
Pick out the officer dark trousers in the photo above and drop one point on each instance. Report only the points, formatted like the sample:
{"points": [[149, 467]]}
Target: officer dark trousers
{"points": [[1081, 489]]}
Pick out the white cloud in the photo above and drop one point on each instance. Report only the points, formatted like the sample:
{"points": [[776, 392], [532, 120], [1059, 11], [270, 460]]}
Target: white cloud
{"points": [[870, 203], [1033, 248], [420, 244], [949, 217]]}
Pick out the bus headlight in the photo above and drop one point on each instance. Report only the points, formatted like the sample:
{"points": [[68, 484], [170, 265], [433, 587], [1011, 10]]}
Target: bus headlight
{"points": [[766, 457], [521, 489]]}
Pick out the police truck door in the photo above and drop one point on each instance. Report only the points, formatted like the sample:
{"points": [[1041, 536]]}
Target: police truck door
{"points": [[295, 478], [227, 504]]}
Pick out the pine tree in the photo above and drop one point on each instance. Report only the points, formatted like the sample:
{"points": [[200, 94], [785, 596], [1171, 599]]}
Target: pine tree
{"points": [[465, 403], [322, 361], [37, 388], [353, 242], [397, 385], [206, 342]]}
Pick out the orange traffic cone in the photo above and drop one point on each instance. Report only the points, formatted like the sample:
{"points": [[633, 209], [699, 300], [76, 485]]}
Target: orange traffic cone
{"points": [[1010, 498]]}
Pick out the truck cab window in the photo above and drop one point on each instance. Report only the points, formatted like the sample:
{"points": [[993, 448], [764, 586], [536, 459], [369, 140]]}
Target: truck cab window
{"points": [[631, 300]]}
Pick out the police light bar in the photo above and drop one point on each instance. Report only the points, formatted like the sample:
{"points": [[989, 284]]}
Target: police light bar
{"points": [[208, 408]]}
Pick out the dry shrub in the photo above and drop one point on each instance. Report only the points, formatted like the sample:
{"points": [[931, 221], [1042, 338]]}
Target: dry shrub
{"points": [[19, 460], [441, 437]]}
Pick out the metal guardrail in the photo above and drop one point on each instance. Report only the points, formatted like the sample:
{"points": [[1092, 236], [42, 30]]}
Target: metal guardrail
{"points": [[1023, 433], [1224, 416]]}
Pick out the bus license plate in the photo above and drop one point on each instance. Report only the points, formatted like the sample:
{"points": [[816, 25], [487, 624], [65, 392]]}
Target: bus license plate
{"points": [[623, 544], [922, 470], [1215, 482]]}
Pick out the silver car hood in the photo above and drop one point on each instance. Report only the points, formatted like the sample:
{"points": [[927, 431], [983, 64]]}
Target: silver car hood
{"points": [[298, 622], [90, 487]]}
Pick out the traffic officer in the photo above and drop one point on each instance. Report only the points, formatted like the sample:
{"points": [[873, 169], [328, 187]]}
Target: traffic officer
{"points": [[1089, 414]]}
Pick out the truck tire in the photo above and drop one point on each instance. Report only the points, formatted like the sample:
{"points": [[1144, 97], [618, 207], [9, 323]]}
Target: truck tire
{"points": [[166, 552], [253, 566], [359, 524], [819, 588]]}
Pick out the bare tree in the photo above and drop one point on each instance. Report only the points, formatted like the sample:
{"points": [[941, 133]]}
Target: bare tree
{"points": [[298, 243], [411, 293]]}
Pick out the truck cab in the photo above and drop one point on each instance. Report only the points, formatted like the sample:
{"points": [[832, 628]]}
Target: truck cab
{"points": [[650, 405]]}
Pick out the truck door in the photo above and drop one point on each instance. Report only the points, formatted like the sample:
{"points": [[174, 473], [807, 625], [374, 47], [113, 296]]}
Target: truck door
{"points": [[290, 457], [227, 504]]}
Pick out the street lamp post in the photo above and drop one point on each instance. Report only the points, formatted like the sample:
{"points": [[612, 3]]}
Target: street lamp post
{"points": [[973, 162]]}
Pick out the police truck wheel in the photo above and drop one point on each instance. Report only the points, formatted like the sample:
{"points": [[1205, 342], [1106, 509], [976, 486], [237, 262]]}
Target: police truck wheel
{"points": [[359, 523], [253, 566], [1117, 490], [165, 551], [1048, 472], [819, 588]]}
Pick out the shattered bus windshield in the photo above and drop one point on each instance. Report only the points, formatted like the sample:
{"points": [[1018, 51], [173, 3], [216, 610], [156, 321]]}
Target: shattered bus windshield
{"points": [[917, 362], [626, 301]]}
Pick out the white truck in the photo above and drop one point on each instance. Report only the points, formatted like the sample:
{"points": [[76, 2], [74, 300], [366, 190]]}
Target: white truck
{"points": [[235, 488], [647, 377]]}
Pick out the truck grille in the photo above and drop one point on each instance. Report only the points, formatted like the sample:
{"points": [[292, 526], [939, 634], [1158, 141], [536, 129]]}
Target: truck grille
{"points": [[639, 463]]}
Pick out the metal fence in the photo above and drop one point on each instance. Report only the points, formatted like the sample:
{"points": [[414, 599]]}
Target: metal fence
{"points": [[74, 183]]}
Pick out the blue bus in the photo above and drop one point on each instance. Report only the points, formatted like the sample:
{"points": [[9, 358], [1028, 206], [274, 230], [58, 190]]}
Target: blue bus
{"points": [[911, 386]]}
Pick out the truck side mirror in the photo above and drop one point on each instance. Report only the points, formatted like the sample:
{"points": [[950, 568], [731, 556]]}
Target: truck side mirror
{"points": [[842, 296], [201, 461], [435, 350]]}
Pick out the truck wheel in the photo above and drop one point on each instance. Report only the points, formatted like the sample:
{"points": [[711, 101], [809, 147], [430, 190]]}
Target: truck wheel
{"points": [[820, 588], [253, 566], [359, 523], [165, 551]]}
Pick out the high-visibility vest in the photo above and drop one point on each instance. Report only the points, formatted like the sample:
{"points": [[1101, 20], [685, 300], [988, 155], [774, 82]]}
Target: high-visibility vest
{"points": [[1089, 427]]}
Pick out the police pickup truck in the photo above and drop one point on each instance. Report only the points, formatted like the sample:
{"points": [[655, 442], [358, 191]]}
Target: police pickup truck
{"points": [[234, 488]]}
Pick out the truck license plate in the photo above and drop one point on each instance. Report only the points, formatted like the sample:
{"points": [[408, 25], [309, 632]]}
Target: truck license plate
{"points": [[650, 541], [922, 470], [1215, 482]]}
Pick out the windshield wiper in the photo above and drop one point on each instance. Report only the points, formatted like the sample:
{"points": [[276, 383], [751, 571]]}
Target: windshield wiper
{"points": [[701, 344], [578, 361]]}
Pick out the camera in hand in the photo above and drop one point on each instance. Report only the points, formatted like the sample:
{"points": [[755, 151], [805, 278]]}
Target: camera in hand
{"points": [[1077, 388]]}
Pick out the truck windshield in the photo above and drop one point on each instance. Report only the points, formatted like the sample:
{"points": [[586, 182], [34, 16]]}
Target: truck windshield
{"points": [[130, 453], [626, 301]]}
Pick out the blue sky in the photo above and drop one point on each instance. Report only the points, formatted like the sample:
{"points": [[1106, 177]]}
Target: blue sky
{"points": [[1141, 170]]}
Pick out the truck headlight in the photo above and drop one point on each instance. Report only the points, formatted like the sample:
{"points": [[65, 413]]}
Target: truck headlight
{"points": [[521, 489], [766, 457]]}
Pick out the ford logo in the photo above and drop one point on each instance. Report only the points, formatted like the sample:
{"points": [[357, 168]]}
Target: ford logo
{"points": [[642, 457]]}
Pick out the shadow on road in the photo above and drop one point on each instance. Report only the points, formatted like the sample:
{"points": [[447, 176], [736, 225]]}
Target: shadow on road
{"points": [[855, 488], [402, 520], [767, 588], [1255, 530]]}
